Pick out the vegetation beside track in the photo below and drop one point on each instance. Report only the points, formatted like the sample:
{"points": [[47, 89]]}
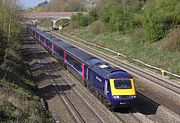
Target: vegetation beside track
{"points": [[146, 30], [19, 99], [150, 53]]}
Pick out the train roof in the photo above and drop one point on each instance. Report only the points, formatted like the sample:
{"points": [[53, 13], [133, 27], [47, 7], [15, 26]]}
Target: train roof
{"points": [[57, 41], [97, 65], [45, 34], [107, 71], [81, 55]]}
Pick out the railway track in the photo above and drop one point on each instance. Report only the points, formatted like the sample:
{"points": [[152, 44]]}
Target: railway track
{"points": [[79, 109], [163, 99], [127, 118], [118, 115], [73, 108], [137, 72]]}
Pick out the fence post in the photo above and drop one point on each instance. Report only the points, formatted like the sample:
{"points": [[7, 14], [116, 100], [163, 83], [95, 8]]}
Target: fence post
{"points": [[162, 72]]}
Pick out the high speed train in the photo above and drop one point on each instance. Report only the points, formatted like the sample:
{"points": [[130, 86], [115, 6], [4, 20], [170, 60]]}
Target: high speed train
{"points": [[115, 86]]}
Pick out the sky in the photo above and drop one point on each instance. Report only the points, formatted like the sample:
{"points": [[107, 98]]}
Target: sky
{"points": [[30, 3]]}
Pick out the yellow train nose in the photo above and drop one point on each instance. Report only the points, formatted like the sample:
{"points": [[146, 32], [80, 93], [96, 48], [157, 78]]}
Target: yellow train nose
{"points": [[122, 87]]}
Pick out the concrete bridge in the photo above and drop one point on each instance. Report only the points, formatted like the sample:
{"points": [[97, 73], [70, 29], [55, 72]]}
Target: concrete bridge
{"points": [[34, 17]]}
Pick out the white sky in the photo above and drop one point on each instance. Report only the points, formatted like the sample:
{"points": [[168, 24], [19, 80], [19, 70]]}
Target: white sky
{"points": [[30, 3]]}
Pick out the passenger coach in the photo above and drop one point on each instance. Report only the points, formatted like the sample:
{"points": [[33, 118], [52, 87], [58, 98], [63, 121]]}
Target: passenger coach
{"points": [[114, 85]]}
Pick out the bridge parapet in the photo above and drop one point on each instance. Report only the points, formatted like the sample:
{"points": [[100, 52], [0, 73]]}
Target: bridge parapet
{"points": [[53, 16]]}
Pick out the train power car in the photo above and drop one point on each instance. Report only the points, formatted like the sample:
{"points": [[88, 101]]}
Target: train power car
{"points": [[114, 85]]}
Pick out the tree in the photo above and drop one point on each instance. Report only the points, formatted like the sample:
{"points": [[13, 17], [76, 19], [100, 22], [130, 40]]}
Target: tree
{"points": [[93, 14], [159, 17], [9, 24]]}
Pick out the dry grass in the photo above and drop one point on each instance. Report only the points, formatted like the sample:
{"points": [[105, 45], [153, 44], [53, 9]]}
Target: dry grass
{"points": [[138, 35], [19, 101], [97, 27], [173, 39], [73, 25]]}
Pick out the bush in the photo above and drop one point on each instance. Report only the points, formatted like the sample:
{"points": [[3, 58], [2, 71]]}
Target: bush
{"points": [[81, 19], [173, 39], [72, 6], [138, 35], [113, 16], [160, 16], [97, 27], [93, 14], [73, 25], [120, 18]]}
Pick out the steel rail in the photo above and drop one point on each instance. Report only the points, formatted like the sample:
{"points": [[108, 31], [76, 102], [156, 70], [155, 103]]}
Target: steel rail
{"points": [[69, 101], [77, 95], [61, 95], [135, 71]]}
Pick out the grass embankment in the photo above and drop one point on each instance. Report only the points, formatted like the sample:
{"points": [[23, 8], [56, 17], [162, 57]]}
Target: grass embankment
{"points": [[133, 47], [19, 100]]}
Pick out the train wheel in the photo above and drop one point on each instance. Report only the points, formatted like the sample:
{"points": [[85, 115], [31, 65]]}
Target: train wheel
{"points": [[111, 108], [84, 83], [102, 99], [105, 102]]}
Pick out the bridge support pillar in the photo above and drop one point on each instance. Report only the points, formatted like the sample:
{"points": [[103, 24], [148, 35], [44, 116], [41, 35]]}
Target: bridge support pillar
{"points": [[54, 23], [34, 22]]}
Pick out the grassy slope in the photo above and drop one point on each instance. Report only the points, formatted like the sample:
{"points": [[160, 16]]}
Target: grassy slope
{"points": [[18, 95], [133, 48], [130, 45]]}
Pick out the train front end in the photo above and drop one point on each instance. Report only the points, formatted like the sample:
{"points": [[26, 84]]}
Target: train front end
{"points": [[122, 90]]}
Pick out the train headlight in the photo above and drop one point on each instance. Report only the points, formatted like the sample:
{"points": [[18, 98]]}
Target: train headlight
{"points": [[116, 97], [134, 96]]}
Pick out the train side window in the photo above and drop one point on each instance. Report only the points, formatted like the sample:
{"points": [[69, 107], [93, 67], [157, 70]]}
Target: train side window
{"points": [[49, 44], [76, 64], [58, 50], [41, 38], [37, 35], [33, 32]]}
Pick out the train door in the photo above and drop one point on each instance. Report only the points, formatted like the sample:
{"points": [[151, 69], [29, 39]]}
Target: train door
{"points": [[106, 86]]}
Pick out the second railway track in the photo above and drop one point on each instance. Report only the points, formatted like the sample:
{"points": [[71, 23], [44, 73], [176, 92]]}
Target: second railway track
{"points": [[134, 70], [118, 115], [81, 111]]}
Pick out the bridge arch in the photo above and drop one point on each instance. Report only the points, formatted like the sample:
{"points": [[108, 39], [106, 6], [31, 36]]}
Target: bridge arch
{"points": [[54, 16]]}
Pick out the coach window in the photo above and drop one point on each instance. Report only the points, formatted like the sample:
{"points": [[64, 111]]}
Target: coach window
{"points": [[49, 44], [74, 63], [37, 35], [33, 32], [41, 38], [58, 50]]}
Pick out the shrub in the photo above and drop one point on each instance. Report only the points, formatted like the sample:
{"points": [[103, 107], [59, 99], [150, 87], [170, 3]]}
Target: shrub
{"points": [[120, 18], [138, 35], [97, 27], [81, 19], [73, 5], [114, 16], [173, 39], [73, 25], [93, 14], [160, 16]]}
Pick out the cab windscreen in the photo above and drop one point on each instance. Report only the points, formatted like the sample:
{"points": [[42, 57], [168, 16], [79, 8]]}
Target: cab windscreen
{"points": [[122, 84]]}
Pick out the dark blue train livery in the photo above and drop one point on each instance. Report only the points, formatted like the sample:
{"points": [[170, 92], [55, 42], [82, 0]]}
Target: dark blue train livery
{"points": [[112, 84]]}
